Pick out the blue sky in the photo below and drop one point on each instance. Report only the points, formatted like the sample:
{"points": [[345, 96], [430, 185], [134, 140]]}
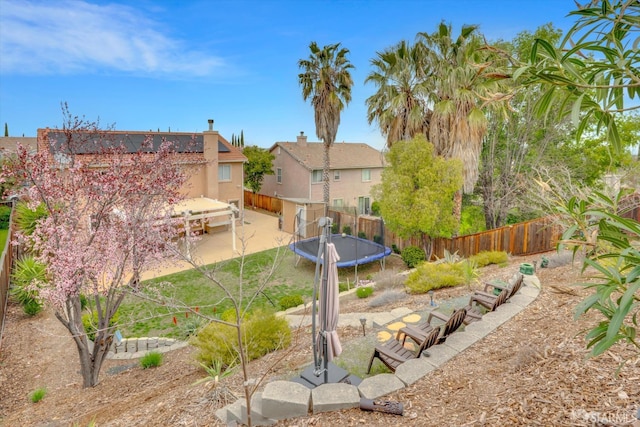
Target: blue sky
{"points": [[144, 65]]}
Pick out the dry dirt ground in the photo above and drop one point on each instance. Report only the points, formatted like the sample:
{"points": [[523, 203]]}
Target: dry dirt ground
{"points": [[532, 371]]}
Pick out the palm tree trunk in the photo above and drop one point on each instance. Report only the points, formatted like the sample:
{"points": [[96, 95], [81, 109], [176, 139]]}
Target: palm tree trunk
{"points": [[325, 178]]}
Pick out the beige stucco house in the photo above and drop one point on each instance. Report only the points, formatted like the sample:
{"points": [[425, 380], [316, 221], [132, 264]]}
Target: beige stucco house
{"points": [[215, 167], [355, 169]]}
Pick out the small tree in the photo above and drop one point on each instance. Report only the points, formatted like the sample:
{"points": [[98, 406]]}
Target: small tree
{"points": [[102, 228], [6, 129], [259, 164], [416, 195]]}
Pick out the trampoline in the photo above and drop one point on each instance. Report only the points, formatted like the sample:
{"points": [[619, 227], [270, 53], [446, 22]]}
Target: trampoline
{"points": [[353, 251]]}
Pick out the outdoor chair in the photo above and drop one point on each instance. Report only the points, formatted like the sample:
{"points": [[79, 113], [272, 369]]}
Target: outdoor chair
{"points": [[393, 353], [420, 332], [488, 297], [489, 302]]}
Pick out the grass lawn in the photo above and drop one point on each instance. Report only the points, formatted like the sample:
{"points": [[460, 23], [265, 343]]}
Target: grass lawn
{"points": [[140, 318], [3, 238]]}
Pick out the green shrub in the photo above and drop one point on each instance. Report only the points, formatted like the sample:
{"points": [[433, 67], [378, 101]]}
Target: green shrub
{"points": [[375, 208], [335, 228], [412, 256], [362, 234], [364, 291], [229, 315], [90, 323], [377, 239], [153, 359], [395, 249], [262, 333], [346, 230], [289, 301], [343, 287], [38, 394], [428, 276], [485, 258], [5, 216]]}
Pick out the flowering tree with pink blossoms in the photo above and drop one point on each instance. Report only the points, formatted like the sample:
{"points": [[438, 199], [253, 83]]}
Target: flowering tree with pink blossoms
{"points": [[107, 223]]}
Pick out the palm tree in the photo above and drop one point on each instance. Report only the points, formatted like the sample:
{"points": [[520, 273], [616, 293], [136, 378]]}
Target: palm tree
{"points": [[326, 79], [400, 103], [462, 82]]}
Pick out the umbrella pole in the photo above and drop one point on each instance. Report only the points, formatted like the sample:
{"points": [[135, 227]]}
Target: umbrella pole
{"points": [[325, 300], [314, 312]]}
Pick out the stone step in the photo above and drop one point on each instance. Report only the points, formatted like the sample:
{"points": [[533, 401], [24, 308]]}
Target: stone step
{"points": [[256, 411]]}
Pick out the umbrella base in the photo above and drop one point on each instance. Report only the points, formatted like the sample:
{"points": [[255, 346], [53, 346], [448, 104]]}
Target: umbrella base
{"points": [[335, 375]]}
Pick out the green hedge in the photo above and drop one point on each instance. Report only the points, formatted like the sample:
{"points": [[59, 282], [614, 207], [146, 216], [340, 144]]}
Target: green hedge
{"points": [[428, 276]]}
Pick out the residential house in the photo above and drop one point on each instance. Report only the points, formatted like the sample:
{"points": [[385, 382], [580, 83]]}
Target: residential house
{"points": [[215, 167], [354, 169], [8, 144]]}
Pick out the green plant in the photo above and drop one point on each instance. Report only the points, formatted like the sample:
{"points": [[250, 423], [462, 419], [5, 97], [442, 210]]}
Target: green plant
{"points": [[335, 228], [428, 276], [90, 323], [484, 258], [610, 243], [27, 277], [449, 258], [343, 286], [395, 249], [362, 234], [375, 208], [31, 307], [377, 239], [412, 256], [262, 333], [38, 394], [26, 219], [289, 301], [214, 372], [364, 291], [469, 271], [346, 230], [191, 325], [153, 359]]}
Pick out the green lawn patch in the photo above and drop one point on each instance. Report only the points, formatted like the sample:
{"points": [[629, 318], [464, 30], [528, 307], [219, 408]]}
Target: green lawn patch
{"points": [[140, 318]]}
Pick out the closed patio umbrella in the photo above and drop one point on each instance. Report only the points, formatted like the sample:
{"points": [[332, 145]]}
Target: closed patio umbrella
{"points": [[330, 305]]}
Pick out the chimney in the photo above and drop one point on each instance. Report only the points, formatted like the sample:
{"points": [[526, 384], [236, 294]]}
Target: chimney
{"points": [[210, 125], [302, 139]]}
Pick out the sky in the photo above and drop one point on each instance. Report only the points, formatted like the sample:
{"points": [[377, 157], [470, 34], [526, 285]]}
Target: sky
{"points": [[143, 65]]}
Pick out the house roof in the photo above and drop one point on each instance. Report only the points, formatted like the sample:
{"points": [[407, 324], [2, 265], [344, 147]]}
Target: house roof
{"points": [[8, 144], [133, 141], [343, 155]]}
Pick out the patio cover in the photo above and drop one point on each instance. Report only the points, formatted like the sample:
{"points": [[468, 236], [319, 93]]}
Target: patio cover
{"points": [[205, 209]]}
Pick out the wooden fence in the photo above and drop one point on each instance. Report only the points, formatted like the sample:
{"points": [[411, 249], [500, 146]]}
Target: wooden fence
{"points": [[6, 261], [260, 201]]}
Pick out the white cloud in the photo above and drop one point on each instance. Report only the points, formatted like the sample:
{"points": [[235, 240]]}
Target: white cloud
{"points": [[76, 37]]}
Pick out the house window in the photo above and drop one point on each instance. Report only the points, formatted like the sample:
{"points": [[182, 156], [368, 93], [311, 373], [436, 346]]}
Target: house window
{"points": [[338, 203], [336, 175], [364, 205], [316, 176], [224, 172], [279, 175], [366, 175]]}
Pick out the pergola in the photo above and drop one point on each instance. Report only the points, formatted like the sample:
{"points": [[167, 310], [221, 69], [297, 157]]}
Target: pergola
{"points": [[208, 212]]}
